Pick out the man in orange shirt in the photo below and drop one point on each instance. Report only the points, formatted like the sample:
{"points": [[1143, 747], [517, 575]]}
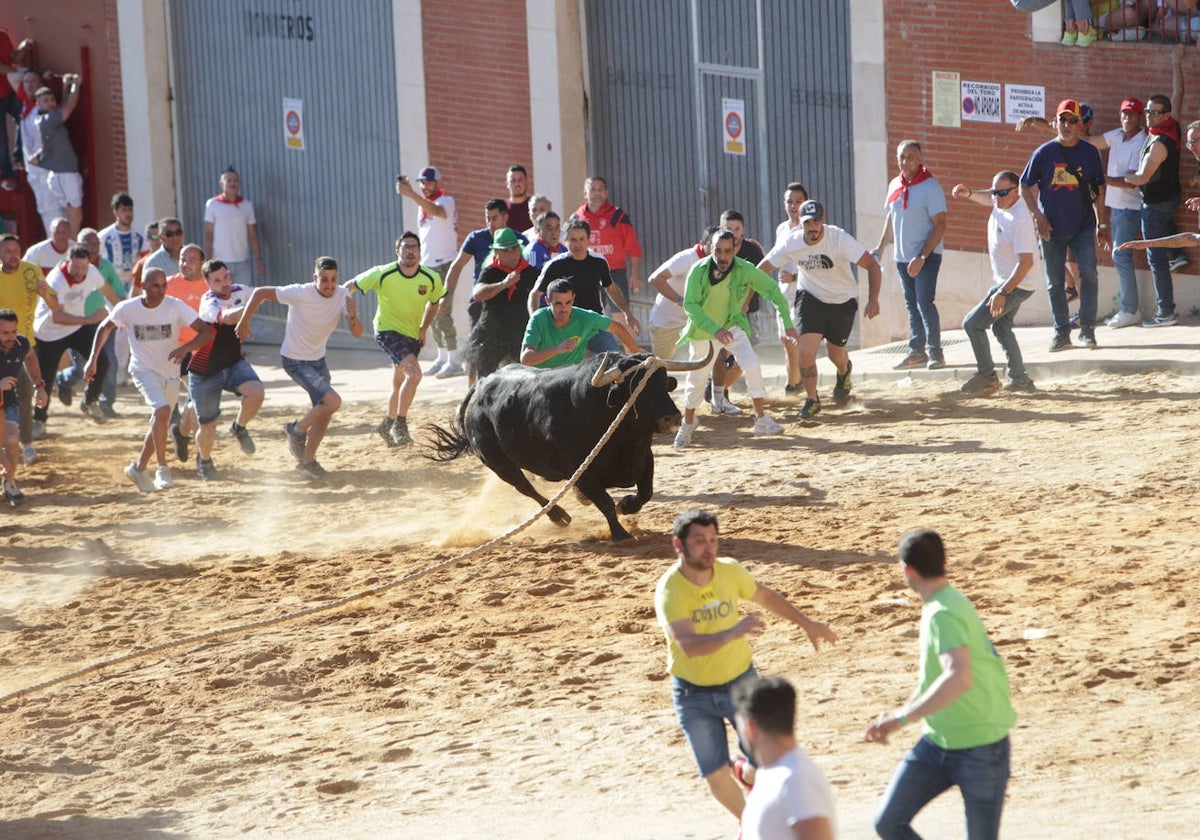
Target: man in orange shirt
{"points": [[189, 286]]}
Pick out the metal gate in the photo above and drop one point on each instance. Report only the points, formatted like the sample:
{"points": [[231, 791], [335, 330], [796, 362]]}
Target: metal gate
{"points": [[233, 63], [658, 72]]}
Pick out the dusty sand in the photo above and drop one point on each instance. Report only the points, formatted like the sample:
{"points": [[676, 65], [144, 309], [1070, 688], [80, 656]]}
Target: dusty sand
{"points": [[522, 693]]}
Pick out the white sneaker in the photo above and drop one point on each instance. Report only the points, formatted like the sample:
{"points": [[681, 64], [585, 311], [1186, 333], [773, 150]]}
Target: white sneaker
{"points": [[139, 478], [28, 454], [684, 436], [1125, 319], [39, 429], [726, 407], [766, 425], [162, 478], [434, 368]]}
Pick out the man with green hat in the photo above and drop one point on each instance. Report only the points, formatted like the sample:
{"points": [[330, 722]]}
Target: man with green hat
{"points": [[502, 290]]}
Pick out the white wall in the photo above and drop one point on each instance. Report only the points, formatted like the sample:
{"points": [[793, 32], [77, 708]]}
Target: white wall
{"points": [[145, 87]]}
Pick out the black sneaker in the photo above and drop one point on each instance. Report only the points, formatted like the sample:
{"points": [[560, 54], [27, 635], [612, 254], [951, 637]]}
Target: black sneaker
{"points": [[936, 361], [793, 390], [206, 469], [914, 359], [399, 433], [841, 387], [810, 410], [297, 441], [65, 393], [108, 411], [1024, 385], [311, 469], [12, 493], [1178, 262], [1087, 337], [981, 384], [243, 437], [1161, 319], [384, 430], [180, 440], [92, 410], [1060, 342], [708, 391]]}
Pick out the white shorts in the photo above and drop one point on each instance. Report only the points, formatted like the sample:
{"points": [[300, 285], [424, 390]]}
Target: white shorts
{"points": [[66, 188], [158, 390]]}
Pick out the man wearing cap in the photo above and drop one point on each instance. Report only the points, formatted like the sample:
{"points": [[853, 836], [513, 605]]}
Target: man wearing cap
{"points": [[437, 223], [916, 220], [558, 334], [1063, 187], [231, 231], [502, 290], [408, 296], [477, 247], [827, 297], [1011, 241]]}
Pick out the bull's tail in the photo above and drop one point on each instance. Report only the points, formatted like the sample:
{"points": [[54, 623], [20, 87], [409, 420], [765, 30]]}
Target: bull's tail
{"points": [[447, 444]]}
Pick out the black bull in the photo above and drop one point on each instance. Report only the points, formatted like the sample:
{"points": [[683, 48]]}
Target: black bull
{"points": [[548, 421]]}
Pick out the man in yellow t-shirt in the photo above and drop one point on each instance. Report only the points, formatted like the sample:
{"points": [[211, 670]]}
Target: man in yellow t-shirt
{"points": [[408, 293], [696, 602]]}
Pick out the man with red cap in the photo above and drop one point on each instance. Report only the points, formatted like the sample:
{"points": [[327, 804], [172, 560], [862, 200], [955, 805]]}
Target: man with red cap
{"points": [[1063, 186]]}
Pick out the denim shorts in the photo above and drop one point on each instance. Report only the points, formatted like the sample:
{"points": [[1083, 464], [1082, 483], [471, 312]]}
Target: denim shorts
{"points": [[12, 413], [311, 376], [205, 391], [702, 712], [398, 346]]}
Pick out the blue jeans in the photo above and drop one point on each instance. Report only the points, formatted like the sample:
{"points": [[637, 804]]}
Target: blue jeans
{"points": [[1126, 226], [980, 318], [1054, 255], [1158, 220], [605, 342], [924, 325], [73, 375], [702, 712], [981, 774], [312, 376]]}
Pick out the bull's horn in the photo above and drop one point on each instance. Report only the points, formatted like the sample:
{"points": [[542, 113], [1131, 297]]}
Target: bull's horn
{"points": [[683, 367], [603, 376]]}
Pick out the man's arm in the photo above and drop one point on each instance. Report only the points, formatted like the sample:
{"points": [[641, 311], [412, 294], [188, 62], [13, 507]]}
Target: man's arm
{"points": [[982, 198], [98, 340], [486, 291], [430, 207], [660, 281], [430, 312], [532, 357], [618, 329], [1179, 240], [41, 396], [684, 634], [813, 828], [1024, 264], [953, 683], [204, 334], [618, 298], [356, 326], [767, 597], [209, 228], [885, 238], [72, 83], [257, 297], [60, 316], [635, 274], [252, 235], [1031, 123], [1177, 86], [447, 302], [874, 283], [110, 294], [1148, 166], [1030, 192]]}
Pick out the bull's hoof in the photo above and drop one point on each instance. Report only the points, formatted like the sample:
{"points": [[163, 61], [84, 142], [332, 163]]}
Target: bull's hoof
{"points": [[619, 534], [559, 516], [630, 504]]}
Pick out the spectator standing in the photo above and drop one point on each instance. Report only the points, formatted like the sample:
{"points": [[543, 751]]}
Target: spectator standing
{"points": [[548, 243], [50, 252], [1063, 187], [538, 204], [231, 231], [612, 236], [503, 288], [56, 154], [1078, 28], [69, 377], [11, 103], [520, 217], [170, 231], [437, 226], [19, 284], [916, 222], [667, 317], [962, 697], [31, 143], [17, 362], [120, 243]]}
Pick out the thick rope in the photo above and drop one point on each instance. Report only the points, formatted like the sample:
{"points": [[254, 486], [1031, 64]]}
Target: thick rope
{"points": [[340, 602]]}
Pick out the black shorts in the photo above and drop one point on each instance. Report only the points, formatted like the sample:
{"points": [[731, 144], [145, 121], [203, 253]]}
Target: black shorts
{"points": [[834, 321]]}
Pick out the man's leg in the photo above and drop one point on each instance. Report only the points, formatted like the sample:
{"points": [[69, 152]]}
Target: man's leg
{"points": [[926, 290], [252, 394], [410, 377], [155, 442], [1083, 246], [981, 774], [918, 780], [1126, 226], [10, 450], [108, 388], [916, 327], [316, 423], [663, 340], [1054, 259], [700, 717], [742, 350], [976, 325], [693, 387], [810, 343], [1002, 328], [1158, 220], [26, 392]]}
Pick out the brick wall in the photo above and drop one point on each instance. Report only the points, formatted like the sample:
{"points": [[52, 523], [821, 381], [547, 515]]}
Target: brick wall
{"points": [[477, 100], [990, 43], [116, 127]]}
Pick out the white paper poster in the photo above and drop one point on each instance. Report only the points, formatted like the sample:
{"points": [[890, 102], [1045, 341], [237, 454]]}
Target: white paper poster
{"points": [[733, 121], [981, 101], [1023, 101]]}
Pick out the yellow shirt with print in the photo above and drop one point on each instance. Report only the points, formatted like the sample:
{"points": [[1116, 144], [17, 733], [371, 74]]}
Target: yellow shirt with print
{"points": [[711, 608], [19, 292]]}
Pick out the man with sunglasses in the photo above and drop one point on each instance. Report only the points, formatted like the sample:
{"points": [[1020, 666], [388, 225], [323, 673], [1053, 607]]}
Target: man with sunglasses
{"points": [[167, 255], [1063, 187], [1011, 240]]}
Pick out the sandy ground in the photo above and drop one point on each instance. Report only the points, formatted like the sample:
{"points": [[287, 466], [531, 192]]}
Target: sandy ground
{"points": [[521, 693]]}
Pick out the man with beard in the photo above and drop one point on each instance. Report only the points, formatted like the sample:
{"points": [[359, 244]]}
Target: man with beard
{"points": [[16, 356], [708, 655], [502, 290], [408, 297]]}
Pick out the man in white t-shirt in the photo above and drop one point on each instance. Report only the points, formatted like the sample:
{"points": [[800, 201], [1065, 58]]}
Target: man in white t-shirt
{"points": [[437, 229], [231, 230], [667, 318], [314, 310], [789, 798], [827, 299], [50, 252], [794, 195], [1012, 239], [152, 322], [60, 325]]}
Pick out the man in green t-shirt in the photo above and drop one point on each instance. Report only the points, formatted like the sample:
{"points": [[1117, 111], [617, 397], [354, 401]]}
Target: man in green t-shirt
{"points": [[962, 699], [558, 334], [708, 652], [408, 293]]}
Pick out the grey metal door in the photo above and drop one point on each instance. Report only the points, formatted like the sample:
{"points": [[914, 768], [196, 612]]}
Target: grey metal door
{"points": [[233, 62]]}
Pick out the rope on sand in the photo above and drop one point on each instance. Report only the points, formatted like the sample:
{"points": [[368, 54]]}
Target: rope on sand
{"points": [[248, 626]]}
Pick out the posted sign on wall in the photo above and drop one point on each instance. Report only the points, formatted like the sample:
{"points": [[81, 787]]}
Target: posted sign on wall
{"points": [[733, 118], [981, 101], [293, 124]]}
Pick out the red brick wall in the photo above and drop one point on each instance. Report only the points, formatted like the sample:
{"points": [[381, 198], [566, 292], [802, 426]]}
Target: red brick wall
{"points": [[477, 99], [116, 106], [990, 42]]}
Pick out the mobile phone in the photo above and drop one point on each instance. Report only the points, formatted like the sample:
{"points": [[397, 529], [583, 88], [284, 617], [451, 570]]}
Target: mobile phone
{"points": [[402, 179]]}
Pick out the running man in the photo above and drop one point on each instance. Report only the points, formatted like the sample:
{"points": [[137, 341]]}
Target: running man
{"points": [[15, 354], [314, 311], [152, 322], [408, 296]]}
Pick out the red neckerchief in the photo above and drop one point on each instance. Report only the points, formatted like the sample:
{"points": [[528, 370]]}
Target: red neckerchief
{"points": [[922, 175], [1168, 128], [422, 215], [65, 268], [521, 266], [700, 252], [221, 198]]}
